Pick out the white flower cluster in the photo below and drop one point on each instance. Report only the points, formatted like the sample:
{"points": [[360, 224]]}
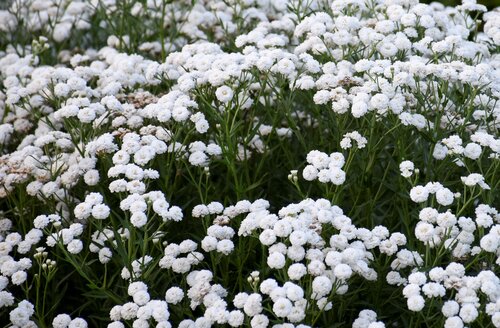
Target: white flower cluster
{"points": [[464, 306], [65, 321], [55, 19], [325, 168], [141, 310], [171, 260], [460, 235], [443, 195], [474, 150], [367, 319], [296, 246], [117, 117], [346, 142]]}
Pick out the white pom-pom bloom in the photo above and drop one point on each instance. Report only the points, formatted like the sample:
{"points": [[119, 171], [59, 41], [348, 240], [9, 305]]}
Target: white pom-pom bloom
{"points": [[276, 260], [224, 94], [444, 197], [416, 303], [322, 285], [419, 194], [282, 307]]}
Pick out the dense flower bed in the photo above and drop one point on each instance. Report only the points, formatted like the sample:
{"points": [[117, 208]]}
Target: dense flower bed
{"points": [[249, 163]]}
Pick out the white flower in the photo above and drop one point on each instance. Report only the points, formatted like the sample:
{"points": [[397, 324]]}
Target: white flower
{"points": [[296, 253], [322, 285], [253, 305], [444, 197], [455, 269], [61, 90], [437, 274], [19, 277], [419, 194], [105, 255], [472, 150], [235, 318], [490, 243], [198, 158], [181, 265], [78, 323], [86, 115], [433, 289], [174, 295], [180, 114], [61, 32], [424, 231], [406, 168], [446, 220], [394, 278], [138, 219], [415, 303], [359, 109], [215, 208], [276, 260], [495, 319], [450, 309], [136, 287], [75, 246], [224, 94], [411, 290], [100, 211], [282, 307], [296, 271], [285, 66], [318, 159], [91, 177], [293, 292], [468, 313], [144, 155], [61, 321], [259, 321], [282, 228], [322, 97], [129, 311], [336, 160], [267, 237], [298, 238], [440, 151], [209, 243], [240, 299], [141, 297], [428, 214], [225, 246], [475, 179], [379, 101], [310, 173], [342, 271], [453, 322], [337, 176], [202, 126], [121, 157]]}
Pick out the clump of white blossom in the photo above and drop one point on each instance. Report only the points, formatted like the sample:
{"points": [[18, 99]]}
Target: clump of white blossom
{"points": [[145, 145]]}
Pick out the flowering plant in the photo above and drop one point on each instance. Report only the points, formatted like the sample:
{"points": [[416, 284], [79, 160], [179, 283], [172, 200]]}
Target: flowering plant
{"points": [[249, 163]]}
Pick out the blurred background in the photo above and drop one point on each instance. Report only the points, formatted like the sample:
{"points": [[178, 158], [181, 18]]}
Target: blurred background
{"points": [[488, 3], [491, 4], [4, 4]]}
